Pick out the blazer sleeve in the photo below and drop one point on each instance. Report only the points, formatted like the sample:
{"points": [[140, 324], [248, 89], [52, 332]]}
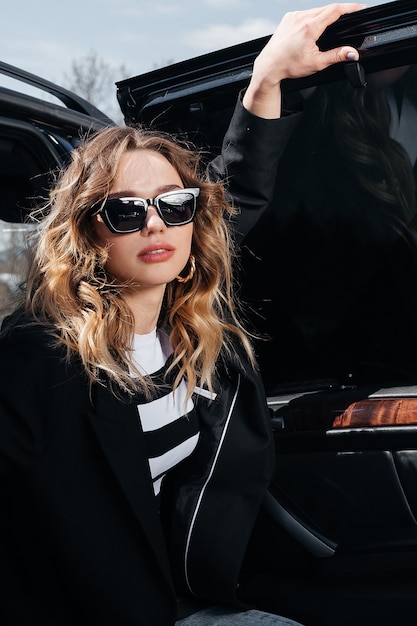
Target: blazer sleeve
{"points": [[248, 163]]}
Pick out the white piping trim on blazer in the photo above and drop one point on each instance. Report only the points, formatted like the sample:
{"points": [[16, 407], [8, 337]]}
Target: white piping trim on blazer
{"points": [[190, 531], [210, 395]]}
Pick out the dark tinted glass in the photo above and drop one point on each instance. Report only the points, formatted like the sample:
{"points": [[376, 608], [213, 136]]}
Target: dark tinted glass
{"points": [[177, 208], [125, 216]]}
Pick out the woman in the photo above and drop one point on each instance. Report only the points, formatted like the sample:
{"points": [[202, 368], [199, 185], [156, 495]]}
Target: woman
{"points": [[135, 446]]}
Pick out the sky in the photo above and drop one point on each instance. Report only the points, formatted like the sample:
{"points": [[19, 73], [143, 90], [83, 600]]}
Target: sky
{"points": [[45, 37]]}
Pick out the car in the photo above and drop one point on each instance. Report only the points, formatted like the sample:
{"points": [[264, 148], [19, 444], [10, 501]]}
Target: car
{"points": [[40, 124], [328, 279]]}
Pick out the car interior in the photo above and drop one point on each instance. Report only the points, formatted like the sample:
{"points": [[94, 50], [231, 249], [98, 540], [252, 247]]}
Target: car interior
{"points": [[23, 155]]}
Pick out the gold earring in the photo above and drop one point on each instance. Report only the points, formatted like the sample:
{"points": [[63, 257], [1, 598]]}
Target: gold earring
{"points": [[185, 279]]}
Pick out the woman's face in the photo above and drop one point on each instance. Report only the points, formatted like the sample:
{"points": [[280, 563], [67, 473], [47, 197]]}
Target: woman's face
{"points": [[155, 255]]}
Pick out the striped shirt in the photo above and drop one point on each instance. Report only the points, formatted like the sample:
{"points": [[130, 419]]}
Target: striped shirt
{"points": [[169, 422]]}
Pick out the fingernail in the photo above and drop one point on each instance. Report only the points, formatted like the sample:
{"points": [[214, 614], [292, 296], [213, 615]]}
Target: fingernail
{"points": [[351, 56]]}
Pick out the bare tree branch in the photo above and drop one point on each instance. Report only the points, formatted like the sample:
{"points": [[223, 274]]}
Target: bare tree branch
{"points": [[94, 79]]}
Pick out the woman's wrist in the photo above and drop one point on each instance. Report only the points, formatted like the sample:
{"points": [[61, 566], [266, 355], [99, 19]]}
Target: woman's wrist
{"points": [[263, 95], [263, 102]]}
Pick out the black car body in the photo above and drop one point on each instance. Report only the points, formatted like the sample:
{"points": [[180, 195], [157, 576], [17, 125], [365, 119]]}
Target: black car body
{"points": [[329, 278]]}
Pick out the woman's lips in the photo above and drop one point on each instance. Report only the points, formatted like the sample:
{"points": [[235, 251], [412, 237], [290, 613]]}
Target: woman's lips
{"points": [[156, 254]]}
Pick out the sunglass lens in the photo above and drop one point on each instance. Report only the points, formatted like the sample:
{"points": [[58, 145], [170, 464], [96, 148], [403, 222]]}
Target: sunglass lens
{"points": [[125, 217], [179, 209]]}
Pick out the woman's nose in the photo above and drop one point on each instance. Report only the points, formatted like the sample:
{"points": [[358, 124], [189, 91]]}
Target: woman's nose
{"points": [[153, 220]]}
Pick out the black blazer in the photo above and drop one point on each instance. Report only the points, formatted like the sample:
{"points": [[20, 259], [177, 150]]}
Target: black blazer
{"points": [[81, 539]]}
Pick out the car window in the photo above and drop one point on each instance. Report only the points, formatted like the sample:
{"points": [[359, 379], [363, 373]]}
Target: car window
{"points": [[13, 263], [330, 272]]}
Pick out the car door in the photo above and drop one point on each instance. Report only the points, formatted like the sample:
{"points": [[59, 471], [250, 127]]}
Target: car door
{"points": [[40, 124], [329, 280]]}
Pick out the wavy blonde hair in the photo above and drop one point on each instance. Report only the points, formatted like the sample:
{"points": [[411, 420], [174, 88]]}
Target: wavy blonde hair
{"points": [[70, 291]]}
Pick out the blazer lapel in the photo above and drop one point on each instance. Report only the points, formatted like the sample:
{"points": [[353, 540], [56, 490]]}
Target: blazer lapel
{"points": [[117, 427]]}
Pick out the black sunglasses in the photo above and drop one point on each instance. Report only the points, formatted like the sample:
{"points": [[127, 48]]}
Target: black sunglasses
{"points": [[128, 215]]}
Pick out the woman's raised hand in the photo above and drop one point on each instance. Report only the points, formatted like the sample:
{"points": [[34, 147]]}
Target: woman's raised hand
{"points": [[292, 52]]}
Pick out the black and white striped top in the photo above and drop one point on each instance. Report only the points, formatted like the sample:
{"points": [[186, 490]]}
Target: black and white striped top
{"points": [[169, 422]]}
